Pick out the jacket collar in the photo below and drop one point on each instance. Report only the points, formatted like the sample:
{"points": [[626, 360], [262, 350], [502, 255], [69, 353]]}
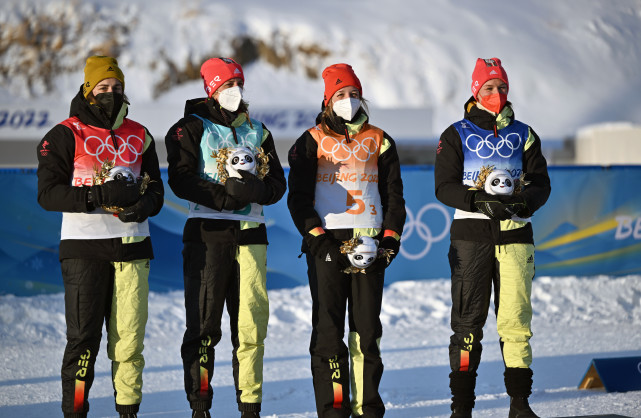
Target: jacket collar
{"points": [[92, 115], [339, 125], [209, 109]]}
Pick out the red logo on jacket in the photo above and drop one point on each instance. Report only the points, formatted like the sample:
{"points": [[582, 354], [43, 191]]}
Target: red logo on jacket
{"points": [[44, 151], [178, 135]]}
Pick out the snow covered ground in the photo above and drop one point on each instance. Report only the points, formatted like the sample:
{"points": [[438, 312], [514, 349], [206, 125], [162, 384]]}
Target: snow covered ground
{"points": [[575, 320]]}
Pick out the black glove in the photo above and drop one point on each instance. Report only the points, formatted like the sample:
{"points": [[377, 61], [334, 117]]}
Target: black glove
{"points": [[114, 193], [493, 206], [326, 249], [378, 266], [388, 243], [139, 211], [249, 187], [518, 204], [231, 203]]}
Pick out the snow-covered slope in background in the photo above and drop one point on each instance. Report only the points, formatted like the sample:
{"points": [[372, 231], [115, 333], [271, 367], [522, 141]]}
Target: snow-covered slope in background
{"points": [[571, 63]]}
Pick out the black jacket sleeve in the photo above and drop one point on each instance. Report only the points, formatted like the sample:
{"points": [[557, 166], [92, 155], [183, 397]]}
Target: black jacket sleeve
{"points": [[155, 189], [55, 170], [183, 155], [275, 178], [303, 163], [538, 190], [448, 172], [390, 188]]}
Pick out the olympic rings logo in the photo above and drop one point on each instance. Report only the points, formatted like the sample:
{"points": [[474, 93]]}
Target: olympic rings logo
{"points": [[424, 232], [216, 141], [485, 149], [361, 150], [105, 150]]}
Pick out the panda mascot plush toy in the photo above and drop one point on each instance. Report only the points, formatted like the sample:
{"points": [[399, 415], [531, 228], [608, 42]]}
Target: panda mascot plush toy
{"points": [[240, 159]]}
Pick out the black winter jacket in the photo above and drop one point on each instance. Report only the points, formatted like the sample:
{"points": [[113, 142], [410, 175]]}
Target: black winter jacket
{"points": [[184, 154], [302, 182], [450, 190], [55, 192]]}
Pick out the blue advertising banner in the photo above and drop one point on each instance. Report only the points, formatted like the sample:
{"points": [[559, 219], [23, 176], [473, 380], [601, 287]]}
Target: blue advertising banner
{"points": [[591, 225]]}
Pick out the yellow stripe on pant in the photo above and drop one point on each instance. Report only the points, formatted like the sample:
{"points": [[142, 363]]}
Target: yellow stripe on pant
{"points": [[357, 381], [514, 318], [127, 329], [356, 375], [253, 315]]}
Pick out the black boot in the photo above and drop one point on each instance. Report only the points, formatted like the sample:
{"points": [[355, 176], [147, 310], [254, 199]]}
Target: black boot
{"points": [[518, 384], [200, 414], [462, 385], [520, 408], [127, 411], [459, 412], [249, 414]]}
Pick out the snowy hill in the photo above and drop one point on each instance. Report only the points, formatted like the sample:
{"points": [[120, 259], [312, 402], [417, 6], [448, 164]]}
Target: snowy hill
{"points": [[570, 63]]}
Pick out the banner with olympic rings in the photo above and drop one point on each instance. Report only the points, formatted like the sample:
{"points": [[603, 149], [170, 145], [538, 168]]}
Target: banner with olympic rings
{"points": [[591, 225]]}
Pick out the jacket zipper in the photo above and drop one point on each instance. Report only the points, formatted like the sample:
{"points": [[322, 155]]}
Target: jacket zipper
{"points": [[233, 130], [347, 136], [113, 139]]}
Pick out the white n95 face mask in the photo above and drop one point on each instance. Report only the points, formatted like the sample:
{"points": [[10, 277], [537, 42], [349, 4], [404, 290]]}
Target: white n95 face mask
{"points": [[230, 98], [347, 108]]}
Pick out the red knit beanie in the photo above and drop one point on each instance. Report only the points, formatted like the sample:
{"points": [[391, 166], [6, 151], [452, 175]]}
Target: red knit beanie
{"points": [[487, 69], [216, 71], [338, 76]]}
